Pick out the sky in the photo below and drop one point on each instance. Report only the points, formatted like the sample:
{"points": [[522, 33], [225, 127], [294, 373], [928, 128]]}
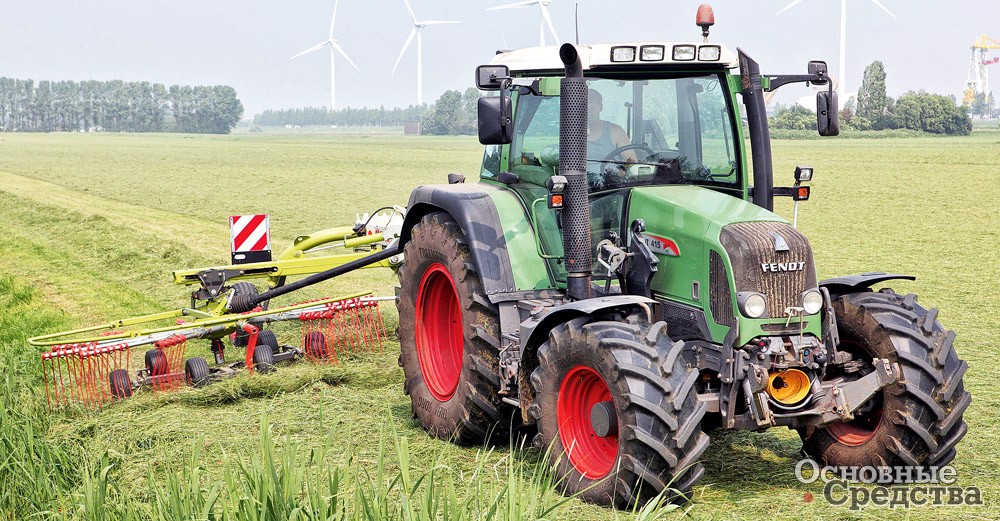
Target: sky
{"points": [[247, 43]]}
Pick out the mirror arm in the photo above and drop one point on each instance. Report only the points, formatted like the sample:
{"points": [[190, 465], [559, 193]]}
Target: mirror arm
{"points": [[777, 81]]}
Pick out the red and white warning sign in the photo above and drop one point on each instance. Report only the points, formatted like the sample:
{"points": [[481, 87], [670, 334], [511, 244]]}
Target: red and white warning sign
{"points": [[250, 238]]}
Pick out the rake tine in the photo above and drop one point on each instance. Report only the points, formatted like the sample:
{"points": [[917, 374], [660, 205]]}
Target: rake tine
{"points": [[96, 367], [48, 401], [379, 326]]}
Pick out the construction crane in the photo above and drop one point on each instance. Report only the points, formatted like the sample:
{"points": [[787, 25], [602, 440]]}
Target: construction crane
{"points": [[978, 81]]}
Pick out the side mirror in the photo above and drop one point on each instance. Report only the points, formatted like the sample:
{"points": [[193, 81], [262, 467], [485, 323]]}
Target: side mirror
{"points": [[495, 127], [818, 68], [489, 77], [827, 113]]}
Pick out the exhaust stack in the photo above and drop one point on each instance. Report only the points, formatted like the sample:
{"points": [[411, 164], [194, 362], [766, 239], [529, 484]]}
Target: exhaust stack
{"points": [[577, 243]]}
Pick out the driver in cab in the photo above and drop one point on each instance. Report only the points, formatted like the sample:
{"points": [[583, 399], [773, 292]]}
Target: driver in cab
{"points": [[603, 138]]}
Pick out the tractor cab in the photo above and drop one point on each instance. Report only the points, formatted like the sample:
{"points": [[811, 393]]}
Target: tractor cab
{"points": [[650, 121]]}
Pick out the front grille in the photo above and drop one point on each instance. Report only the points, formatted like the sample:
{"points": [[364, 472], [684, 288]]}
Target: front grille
{"points": [[751, 245], [792, 327], [719, 297]]}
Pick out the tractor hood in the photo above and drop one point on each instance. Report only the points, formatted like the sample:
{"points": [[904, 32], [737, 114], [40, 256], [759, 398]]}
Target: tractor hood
{"points": [[694, 210], [682, 224]]}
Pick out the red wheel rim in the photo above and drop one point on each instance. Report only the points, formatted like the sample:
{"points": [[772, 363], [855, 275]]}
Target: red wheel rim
{"points": [[863, 428], [592, 455], [440, 343], [858, 431]]}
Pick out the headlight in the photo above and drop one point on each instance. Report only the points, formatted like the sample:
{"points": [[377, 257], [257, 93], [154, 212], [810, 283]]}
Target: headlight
{"points": [[651, 53], [709, 53], [753, 305], [812, 301], [623, 54], [684, 52]]}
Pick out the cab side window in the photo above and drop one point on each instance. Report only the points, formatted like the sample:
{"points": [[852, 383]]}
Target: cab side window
{"points": [[534, 153]]}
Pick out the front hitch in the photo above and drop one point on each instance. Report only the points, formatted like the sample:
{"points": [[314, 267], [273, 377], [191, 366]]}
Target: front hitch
{"points": [[837, 400]]}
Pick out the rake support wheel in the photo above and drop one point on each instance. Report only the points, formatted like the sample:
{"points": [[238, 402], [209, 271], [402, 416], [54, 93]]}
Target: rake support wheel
{"points": [[121, 386], [156, 362], [314, 345], [916, 421], [196, 372], [263, 352], [618, 412], [448, 333]]}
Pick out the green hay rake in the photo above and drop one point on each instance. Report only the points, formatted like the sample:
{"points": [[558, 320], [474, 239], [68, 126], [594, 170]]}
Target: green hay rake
{"points": [[91, 366]]}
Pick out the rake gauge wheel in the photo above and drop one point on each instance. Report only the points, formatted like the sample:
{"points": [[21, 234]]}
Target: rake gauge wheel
{"points": [[618, 412], [121, 386], [447, 334], [314, 345], [196, 372], [916, 421], [263, 352], [156, 362]]}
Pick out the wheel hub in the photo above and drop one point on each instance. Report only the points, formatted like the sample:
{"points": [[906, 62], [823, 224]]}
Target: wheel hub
{"points": [[588, 422]]}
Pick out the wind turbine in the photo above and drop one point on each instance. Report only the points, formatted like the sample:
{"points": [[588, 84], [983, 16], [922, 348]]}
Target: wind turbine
{"points": [[842, 79], [546, 19], [417, 26], [334, 48]]}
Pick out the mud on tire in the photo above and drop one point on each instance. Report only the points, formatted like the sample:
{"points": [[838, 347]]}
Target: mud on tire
{"points": [[651, 383], [448, 333], [919, 418]]}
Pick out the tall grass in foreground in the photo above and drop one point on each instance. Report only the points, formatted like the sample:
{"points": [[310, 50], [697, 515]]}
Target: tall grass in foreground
{"points": [[288, 482], [33, 470]]}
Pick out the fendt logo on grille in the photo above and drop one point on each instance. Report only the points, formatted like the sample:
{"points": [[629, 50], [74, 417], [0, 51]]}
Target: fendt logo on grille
{"points": [[782, 266]]}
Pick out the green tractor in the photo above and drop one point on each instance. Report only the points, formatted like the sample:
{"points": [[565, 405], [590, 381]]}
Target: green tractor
{"points": [[617, 283]]}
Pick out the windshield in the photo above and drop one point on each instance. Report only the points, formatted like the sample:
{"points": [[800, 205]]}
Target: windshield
{"points": [[642, 132]]}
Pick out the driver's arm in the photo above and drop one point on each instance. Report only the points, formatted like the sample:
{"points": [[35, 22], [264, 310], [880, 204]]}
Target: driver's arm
{"points": [[620, 139]]}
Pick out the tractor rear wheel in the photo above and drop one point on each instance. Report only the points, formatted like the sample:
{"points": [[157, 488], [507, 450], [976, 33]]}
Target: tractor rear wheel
{"points": [[448, 333], [618, 412], [916, 421]]}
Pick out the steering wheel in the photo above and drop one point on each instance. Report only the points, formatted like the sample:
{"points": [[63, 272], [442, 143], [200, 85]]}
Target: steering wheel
{"points": [[631, 146]]}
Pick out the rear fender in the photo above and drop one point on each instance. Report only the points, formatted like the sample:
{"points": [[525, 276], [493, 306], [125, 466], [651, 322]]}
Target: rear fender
{"points": [[474, 208]]}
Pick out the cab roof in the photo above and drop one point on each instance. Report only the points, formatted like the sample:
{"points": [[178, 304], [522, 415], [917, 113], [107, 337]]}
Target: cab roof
{"points": [[615, 56]]}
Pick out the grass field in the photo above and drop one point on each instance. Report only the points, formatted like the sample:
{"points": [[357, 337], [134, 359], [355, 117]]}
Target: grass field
{"points": [[91, 225]]}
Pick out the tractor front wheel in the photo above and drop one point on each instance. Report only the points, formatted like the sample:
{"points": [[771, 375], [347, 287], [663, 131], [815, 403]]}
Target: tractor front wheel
{"points": [[618, 412], [447, 335], [915, 421]]}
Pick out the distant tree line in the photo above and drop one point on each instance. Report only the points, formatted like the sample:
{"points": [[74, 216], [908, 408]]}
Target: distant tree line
{"points": [[348, 117], [874, 110], [454, 113], [116, 106]]}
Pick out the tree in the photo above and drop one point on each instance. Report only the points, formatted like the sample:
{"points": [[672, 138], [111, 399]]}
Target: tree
{"points": [[980, 105], [932, 113], [795, 117], [873, 103], [444, 116]]}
